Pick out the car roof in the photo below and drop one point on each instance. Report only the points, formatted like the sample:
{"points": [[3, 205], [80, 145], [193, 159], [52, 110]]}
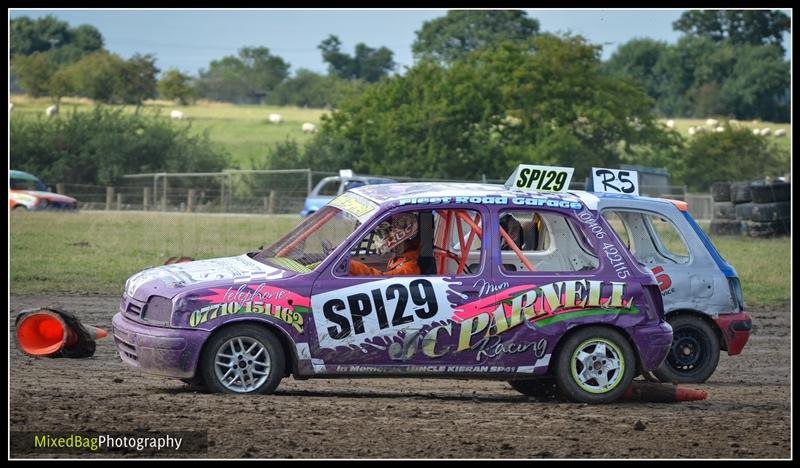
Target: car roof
{"points": [[386, 193], [21, 175]]}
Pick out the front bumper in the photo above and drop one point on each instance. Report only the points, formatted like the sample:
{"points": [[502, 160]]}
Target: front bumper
{"points": [[735, 330], [156, 350], [653, 342]]}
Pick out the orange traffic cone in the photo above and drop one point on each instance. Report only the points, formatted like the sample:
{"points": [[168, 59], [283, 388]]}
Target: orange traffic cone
{"points": [[661, 393], [50, 332]]}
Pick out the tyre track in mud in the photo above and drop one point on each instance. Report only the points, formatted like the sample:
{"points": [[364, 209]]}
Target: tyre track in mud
{"points": [[747, 414]]}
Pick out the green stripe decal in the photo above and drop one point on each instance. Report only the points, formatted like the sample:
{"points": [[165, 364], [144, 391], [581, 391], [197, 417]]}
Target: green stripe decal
{"points": [[584, 313]]}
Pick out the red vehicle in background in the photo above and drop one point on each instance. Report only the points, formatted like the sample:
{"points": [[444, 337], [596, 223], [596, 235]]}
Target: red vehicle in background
{"points": [[26, 192]]}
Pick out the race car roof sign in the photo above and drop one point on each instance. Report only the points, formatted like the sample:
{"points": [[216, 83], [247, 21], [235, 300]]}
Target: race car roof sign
{"points": [[531, 178], [618, 181]]}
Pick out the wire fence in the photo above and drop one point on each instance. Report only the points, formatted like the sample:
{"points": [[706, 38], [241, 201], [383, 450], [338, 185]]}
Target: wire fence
{"points": [[265, 192]]}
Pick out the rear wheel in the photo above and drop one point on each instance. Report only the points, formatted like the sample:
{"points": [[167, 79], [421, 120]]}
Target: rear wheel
{"points": [[243, 358], [694, 354], [595, 365]]}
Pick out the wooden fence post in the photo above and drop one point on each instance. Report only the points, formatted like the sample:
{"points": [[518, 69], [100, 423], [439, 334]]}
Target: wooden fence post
{"points": [[273, 198], [146, 198], [119, 201], [60, 189], [190, 201], [109, 197]]}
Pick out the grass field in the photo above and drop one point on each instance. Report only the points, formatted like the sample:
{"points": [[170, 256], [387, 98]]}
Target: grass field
{"points": [[244, 131], [95, 252]]}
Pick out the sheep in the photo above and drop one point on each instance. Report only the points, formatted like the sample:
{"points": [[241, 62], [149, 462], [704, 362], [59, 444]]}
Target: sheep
{"points": [[712, 122], [275, 118], [780, 133], [51, 111], [719, 129], [756, 131], [177, 115], [692, 131], [309, 128], [766, 131], [699, 129], [10, 106], [670, 124]]}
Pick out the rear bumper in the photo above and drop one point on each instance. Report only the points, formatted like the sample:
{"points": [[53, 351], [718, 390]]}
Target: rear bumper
{"points": [[735, 330], [653, 342], [156, 350]]}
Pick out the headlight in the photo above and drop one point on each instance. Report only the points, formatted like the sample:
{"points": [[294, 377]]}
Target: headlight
{"points": [[159, 310]]}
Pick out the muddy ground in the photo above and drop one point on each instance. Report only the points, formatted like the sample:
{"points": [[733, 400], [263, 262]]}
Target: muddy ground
{"points": [[747, 414]]}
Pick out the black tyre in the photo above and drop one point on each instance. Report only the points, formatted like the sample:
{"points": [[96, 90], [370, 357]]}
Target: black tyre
{"points": [[544, 388], [694, 354], [721, 191], [726, 227], [771, 211], [744, 211], [594, 365], [740, 192], [20, 208], [243, 358], [768, 193], [768, 228], [724, 210]]}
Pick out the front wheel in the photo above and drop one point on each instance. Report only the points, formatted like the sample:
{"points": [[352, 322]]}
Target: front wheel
{"points": [[241, 359], [595, 365], [694, 354]]}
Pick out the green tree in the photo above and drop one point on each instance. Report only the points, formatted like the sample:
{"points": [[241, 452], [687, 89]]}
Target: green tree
{"points": [[101, 145], [460, 32], [48, 33], [248, 77], [367, 64], [86, 37], [99, 76], [756, 27], [637, 59], [137, 80], [545, 101], [33, 72], [735, 154], [758, 85], [175, 85]]}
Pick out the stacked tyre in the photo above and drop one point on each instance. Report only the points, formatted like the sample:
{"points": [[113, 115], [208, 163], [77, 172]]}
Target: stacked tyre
{"points": [[723, 218], [770, 214]]}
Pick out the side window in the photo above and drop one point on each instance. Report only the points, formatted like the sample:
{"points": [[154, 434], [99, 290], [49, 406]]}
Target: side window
{"points": [[668, 241], [651, 238], [549, 242], [329, 188], [613, 219], [430, 242]]}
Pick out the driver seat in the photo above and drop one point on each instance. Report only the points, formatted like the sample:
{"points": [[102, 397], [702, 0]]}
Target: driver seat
{"points": [[425, 260]]}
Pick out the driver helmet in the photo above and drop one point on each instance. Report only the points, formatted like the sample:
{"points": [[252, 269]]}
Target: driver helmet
{"points": [[391, 233]]}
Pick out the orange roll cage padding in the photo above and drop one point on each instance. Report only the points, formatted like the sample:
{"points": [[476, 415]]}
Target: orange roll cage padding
{"points": [[516, 250], [451, 216]]}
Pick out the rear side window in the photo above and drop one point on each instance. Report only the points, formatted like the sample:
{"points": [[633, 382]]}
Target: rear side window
{"points": [[651, 238], [541, 241]]}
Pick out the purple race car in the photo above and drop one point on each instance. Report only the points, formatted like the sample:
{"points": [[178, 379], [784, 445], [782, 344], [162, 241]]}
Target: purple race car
{"points": [[510, 285]]}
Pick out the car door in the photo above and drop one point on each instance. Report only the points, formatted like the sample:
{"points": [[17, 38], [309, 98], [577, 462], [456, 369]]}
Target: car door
{"points": [[560, 273], [655, 241], [401, 323]]}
